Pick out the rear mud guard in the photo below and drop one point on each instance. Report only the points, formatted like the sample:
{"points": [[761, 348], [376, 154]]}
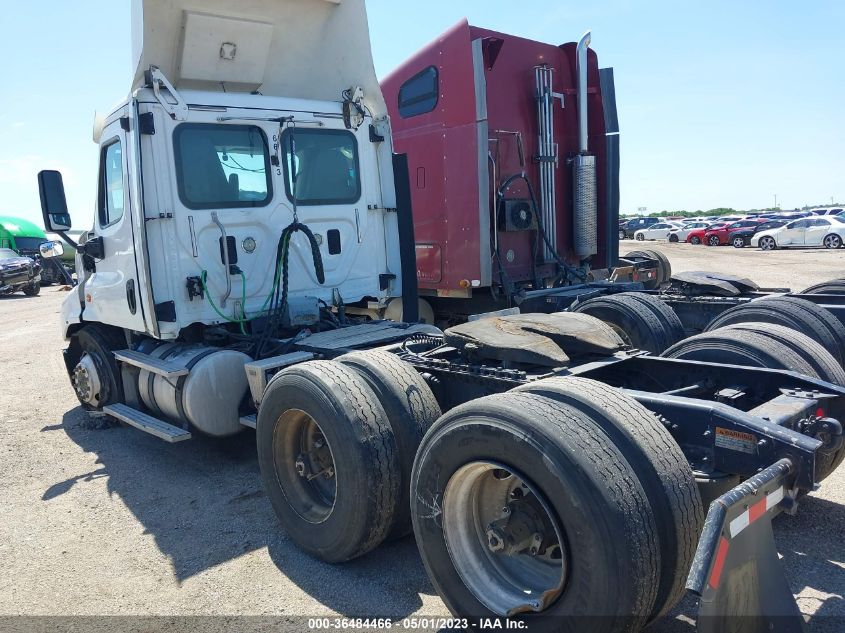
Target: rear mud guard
{"points": [[736, 571]]}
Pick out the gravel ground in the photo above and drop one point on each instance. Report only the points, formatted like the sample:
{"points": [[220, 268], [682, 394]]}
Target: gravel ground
{"points": [[794, 268], [103, 520]]}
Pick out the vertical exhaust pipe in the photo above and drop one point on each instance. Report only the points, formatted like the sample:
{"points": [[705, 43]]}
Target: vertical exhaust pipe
{"points": [[585, 185], [581, 72]]}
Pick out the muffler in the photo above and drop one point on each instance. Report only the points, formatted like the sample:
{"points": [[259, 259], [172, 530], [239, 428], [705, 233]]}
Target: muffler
{"points": [[585, 186]]}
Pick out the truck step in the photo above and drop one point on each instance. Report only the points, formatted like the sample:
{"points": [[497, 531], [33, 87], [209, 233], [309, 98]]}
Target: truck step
{"points": [[151, 363], [147, 423], [249, 420]]}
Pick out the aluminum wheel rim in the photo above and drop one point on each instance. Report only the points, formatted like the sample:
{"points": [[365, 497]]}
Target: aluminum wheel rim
{"points": [[831, 241], [714, 241], [304, 465], [767, 243], [505, 543], [738, 242]]}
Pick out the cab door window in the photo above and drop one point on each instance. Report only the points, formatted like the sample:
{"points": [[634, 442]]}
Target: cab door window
{"points": [[111, 194]]}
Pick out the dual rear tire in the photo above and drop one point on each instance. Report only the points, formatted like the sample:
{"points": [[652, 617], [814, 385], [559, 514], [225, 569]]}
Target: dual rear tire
{"points": [[596, 479], [336, 442]]}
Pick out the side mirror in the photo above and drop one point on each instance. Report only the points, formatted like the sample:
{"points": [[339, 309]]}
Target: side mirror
{"points": [[53, 201], [51, 249]]}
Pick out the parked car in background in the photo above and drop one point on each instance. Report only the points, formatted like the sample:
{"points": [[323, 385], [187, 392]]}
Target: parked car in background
{"points": [[697, 236], [25, 238], [826, 231], [722, 235], [680, 234], [742, 237], [828, 211], [628, 228], [658, 231], [19, 273]]}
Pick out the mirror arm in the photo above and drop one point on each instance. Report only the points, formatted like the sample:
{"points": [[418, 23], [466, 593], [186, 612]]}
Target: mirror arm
{"points": [[64, 236]]}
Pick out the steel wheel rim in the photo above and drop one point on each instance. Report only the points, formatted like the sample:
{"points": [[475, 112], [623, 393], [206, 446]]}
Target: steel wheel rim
{"points": [[304, 465], [504, 542]]}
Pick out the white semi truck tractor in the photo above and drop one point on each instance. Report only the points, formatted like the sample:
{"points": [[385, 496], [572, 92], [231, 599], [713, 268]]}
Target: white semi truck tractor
{"points": [[556, 469]]}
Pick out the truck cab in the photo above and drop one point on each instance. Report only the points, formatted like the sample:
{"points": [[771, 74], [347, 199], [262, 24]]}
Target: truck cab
{"points": [[245, 193]]}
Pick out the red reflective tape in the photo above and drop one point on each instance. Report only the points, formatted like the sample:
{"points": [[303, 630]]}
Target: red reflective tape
{"points": [[757, 510], [721, 554]]}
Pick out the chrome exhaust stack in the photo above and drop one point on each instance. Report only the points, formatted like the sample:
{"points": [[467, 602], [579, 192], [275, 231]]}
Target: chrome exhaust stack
{"points": [[585, 190]]}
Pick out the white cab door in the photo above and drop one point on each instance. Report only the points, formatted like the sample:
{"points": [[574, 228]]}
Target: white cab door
{"points": [[111, 291]]}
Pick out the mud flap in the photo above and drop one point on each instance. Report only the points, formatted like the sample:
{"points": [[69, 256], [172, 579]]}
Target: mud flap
{"points": [[736, 571]]}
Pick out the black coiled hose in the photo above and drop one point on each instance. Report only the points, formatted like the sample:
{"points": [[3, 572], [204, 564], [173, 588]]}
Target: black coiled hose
{"points": [[279, 299]]}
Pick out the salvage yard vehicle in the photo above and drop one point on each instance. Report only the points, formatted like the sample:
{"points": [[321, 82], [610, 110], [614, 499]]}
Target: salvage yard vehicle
{"points": [[699, 236], [680, 234], [828, 231], [741, 238], [252, 219], [722, 234], [25, 238], [627, 230], [18, 273], [659, 231]]}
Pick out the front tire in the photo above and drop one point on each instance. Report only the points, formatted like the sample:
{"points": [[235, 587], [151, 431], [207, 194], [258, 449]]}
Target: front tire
{"points": [[695, 240], [595, 544], [673, 239], [713, 240], [640, 237], [738, 242], [32, 289], [329, 460], [622, 235]]}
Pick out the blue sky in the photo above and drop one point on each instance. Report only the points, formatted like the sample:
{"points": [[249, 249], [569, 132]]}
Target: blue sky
{"points": [[720, 103]]}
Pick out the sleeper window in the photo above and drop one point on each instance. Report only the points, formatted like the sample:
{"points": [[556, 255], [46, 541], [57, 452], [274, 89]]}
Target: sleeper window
{"points": [[222, 166]]}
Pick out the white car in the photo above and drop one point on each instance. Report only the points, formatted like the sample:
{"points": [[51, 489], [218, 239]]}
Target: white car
{"points": [[828, 231], [680, 234], [828, 211], [657, 231]]}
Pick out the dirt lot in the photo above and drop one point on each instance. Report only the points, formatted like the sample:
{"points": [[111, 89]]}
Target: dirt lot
{"points": [[99, 519], [794, 268]]}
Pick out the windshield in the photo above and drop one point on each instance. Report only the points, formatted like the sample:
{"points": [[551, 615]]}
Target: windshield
{"points": [[7, 253]]}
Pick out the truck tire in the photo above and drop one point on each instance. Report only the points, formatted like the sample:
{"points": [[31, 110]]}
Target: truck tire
{"points": [[32, 289], [411, 409], [659, 464], [748, 349], [832, 287], [664, 268], [640, 319], [587, 508], [320, 422], [823, 362], [93, 370], [799, 314]]}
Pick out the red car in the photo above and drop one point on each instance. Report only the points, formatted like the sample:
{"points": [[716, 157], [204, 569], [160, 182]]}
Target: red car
{"points": [[697, 236], [717, 236]]}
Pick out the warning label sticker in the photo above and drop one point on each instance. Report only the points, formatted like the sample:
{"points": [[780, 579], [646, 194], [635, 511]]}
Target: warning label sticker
{"points": [[736, 440]]}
